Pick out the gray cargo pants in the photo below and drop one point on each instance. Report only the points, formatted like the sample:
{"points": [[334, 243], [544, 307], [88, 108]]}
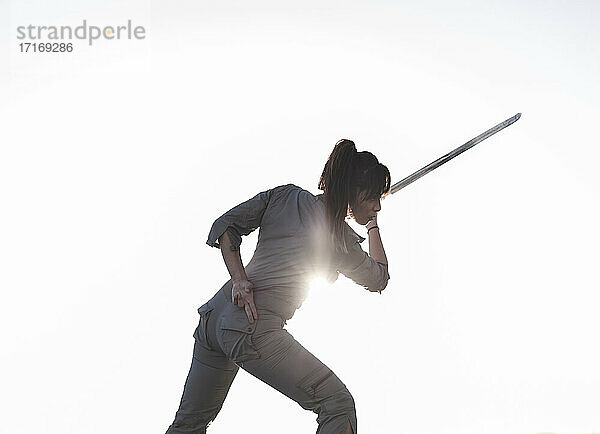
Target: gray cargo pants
{"points": [[225, 340]]}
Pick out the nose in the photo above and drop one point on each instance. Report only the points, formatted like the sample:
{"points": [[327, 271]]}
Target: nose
{"points": [[377, 206]]}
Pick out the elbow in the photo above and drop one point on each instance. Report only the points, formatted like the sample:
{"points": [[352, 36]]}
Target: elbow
{"points": [[382, 280], [384, 285], [223, 235], [380, 285]]}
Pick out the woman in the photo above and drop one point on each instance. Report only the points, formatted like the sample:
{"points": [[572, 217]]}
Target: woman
{"points": [[242, 325]]}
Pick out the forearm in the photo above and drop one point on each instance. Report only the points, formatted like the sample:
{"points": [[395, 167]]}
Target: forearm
{"points": [[376, 250], [232, 258]]}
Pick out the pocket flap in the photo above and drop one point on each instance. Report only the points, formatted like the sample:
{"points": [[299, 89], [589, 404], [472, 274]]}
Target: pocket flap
{"points": [[238, 321]]}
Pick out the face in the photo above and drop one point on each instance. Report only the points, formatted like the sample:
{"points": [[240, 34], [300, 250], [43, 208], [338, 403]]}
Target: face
{"points": [[364, 210]]}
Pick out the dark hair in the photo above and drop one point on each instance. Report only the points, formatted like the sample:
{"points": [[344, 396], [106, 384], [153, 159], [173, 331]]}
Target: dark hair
{"points": [[347, 173]]}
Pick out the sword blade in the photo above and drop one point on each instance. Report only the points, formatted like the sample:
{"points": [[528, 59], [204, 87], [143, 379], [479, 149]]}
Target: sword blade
{"points": [[450, 155]]}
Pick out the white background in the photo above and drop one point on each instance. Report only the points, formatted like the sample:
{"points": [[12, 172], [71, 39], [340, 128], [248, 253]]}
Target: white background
{"points": [[116, 158]]}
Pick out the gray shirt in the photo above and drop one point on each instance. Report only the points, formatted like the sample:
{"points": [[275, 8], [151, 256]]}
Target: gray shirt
{"points": [[293, 248]]}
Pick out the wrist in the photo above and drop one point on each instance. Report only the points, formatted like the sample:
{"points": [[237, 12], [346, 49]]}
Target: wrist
{"points": [[372, 222], [372, 227]]}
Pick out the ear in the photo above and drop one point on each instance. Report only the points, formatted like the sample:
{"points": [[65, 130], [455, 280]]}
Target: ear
{"points": [[359, 197]]}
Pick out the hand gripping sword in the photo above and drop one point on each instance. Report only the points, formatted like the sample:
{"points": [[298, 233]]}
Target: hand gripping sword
{"points": [[450, 155]]}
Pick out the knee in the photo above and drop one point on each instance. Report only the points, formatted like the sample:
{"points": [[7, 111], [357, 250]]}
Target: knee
{"points": [[341, 402], [339, 405], [330, 399]]}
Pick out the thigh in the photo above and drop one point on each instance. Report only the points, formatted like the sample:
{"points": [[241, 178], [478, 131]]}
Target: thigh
{"points": [[271, 354], [290, 368], [208, 382]]}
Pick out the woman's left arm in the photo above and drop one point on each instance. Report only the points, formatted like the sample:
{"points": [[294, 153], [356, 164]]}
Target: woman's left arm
{"points": [[226, 234], [242, 291], [240, 220]]}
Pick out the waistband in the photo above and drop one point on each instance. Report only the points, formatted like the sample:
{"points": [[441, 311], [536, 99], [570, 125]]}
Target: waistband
{"points": [[263, 300]]}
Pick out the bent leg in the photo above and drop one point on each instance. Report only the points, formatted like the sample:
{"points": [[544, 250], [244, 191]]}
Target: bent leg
{"points": [[290, 368], [206, 387]]}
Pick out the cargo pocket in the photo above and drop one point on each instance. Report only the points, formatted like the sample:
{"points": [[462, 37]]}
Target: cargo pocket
{"points": [[315, 383], [235, 335], [200, 334]]}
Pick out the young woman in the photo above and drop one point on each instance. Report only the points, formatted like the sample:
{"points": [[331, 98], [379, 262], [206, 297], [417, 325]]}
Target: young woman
{"points": [[242, 325]]}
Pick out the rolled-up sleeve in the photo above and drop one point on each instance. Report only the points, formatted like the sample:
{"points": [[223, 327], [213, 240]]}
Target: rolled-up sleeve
{"points": [[240, 220], [360, 267]]}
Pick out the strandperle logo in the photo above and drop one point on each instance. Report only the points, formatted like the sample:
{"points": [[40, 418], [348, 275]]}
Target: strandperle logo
{"points": [[82, 32]]}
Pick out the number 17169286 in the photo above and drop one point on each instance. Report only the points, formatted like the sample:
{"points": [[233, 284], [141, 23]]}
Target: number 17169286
{"points": [[46, 47]]}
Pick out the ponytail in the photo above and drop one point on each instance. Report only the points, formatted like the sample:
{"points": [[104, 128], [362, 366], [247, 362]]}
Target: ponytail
{"points": [[335, 183], [347, 172]]}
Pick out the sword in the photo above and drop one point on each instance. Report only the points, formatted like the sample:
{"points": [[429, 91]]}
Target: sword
{"points": [[450, 155]]}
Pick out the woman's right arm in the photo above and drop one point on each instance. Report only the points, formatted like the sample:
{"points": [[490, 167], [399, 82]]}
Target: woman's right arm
{"points": [[369, 271], [376, 250]]}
